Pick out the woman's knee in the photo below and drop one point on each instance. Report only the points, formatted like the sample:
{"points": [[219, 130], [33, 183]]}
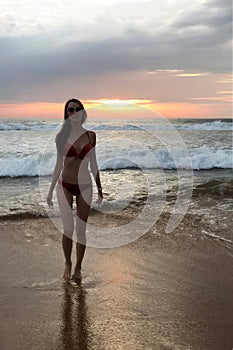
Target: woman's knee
{"points": [[67, 236], [80, 224], [81, 237], [68, 230]]}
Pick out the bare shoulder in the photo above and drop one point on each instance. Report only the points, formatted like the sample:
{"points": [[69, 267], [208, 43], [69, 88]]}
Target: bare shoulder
{"points": [[92, 135]]}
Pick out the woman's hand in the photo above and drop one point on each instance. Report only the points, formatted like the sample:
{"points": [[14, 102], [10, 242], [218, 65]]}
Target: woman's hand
{"points": [[100, 197], [49, 199]]}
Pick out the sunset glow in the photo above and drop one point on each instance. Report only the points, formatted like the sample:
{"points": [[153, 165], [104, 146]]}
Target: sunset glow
{"points": [[191, 74], [117, 62], [122, 109]]}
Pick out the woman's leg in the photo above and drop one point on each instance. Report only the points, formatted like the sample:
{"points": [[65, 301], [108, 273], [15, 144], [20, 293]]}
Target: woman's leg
{"points": [[65, 201], [83, 202]]}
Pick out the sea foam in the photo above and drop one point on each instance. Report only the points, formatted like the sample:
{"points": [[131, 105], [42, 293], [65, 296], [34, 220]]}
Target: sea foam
{"points": [[217, 125], [200, 158]]}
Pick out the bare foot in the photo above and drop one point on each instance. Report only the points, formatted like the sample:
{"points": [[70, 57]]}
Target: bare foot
{"points": [[67, 272], [76, 277]]}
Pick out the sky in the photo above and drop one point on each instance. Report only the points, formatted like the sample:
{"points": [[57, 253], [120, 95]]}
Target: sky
{"points": [[119, 57]]}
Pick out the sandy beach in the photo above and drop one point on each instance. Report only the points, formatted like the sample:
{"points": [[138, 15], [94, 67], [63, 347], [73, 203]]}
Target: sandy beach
{"points": [[163, 291], [134, 99]]}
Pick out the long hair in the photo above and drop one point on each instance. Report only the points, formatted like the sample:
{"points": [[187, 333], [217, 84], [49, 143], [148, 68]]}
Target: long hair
{"points": [[64, 133]]}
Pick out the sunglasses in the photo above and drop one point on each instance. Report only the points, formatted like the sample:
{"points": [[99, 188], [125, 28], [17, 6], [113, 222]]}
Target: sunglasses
{"points": [[72, 109]]}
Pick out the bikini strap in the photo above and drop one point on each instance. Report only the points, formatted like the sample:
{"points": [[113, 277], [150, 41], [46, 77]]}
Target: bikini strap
{"points": [[89, 137]]}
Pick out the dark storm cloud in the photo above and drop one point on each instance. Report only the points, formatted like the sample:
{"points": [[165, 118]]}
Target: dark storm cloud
{"points": [[26, 62]]}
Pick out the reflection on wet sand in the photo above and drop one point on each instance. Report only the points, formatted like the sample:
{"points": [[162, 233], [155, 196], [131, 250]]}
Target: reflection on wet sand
{"points": [[161, 292], [74, 322]]}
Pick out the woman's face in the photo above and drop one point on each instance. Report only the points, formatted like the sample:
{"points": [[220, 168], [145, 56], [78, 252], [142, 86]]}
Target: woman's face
{"points": [[73, 112]]}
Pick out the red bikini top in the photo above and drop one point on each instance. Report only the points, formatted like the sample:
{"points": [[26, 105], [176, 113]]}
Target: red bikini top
{"points": [[70, 150]]}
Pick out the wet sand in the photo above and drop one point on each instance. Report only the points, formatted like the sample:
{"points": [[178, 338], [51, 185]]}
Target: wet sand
{"points": [[164, 291]]}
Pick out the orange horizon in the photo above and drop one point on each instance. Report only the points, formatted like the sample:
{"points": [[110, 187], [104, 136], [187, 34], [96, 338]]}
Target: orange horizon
{"points": [[116, 108]]}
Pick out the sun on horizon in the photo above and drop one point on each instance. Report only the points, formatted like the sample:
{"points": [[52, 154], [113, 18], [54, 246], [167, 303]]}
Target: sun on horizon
{"points": [[114, 108]]}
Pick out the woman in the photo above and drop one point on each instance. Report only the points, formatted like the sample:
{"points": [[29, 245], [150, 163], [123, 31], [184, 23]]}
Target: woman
{"points": [[75, 151]]}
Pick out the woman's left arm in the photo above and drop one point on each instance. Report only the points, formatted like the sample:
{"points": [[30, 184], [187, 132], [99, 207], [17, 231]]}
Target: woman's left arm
{"points": [[94, 166]]}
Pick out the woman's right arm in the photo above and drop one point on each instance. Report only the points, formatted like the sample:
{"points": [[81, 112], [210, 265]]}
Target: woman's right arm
{"points": [[56, 173]]}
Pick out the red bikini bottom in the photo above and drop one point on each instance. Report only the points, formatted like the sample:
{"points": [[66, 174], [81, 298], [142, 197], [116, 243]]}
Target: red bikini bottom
{"points": [[74, 189]]}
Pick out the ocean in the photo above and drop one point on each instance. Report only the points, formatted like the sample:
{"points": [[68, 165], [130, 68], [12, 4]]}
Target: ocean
{"points": [[176, 166]]}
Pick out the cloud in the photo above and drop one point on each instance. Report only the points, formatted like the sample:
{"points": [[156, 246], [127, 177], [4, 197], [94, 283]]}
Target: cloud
{"points": [[214, 99], [194, 41], [191, 74], [212, 13], [229, 92]]}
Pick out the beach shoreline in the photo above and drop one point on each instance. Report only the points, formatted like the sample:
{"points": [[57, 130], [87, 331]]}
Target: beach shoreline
{"points": [[163, 291]]}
